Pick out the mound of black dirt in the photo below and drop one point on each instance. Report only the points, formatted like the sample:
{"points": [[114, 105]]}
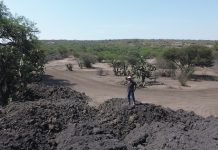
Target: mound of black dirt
{"points": [[89, 136], [56, 117], [147, 126], [43, 91], [34, 124], [121, 118]]}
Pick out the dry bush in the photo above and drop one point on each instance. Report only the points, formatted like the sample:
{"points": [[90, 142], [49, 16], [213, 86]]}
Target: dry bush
{"points": [[69, 66]]}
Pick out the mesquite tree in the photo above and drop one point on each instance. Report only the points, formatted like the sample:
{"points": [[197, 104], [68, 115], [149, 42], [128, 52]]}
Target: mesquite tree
{"points": [[185, 59], [20, 58]]}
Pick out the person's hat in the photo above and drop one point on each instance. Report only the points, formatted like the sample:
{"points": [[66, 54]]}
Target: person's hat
{"points": [[129, 77]]}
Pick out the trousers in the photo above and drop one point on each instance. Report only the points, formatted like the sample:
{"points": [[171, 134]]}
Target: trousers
{"points": [[131, 94]]}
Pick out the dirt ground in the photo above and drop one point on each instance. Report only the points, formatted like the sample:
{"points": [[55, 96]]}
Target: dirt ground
{"points": [[199, 96]]}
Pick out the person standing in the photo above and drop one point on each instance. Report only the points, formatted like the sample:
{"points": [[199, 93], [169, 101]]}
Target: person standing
{"points": [[131, 87]]}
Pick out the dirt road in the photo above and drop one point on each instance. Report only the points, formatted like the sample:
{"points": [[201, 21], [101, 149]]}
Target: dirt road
{"points": [[100, 88]]}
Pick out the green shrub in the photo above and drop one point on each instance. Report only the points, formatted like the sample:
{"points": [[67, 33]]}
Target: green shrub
{"points": [[20, 57], [119, 67], [132, 58], [185, 59], [166, 68], [185, 75], [88, 60]]}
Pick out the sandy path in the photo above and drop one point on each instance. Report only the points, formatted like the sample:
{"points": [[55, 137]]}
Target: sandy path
{"points": [[201, 97], [204, 102]]}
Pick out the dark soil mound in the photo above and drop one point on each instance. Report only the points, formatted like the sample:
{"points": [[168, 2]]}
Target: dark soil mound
{"points": [[34, 124], [125, 117], [89, 136], [60, 118], [147, 126], [42, 91]]}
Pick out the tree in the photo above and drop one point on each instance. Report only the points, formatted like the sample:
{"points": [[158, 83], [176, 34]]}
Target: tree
{"points": [[132, 57], [87, 60], [187, 58], [166, 68], [20, 57], [143, 69], [120, 67]]}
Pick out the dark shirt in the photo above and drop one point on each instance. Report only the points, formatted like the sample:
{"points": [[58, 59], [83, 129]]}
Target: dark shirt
{"points": [[131, 85]]}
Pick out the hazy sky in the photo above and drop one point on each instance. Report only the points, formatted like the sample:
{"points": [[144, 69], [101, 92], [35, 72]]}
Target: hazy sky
{"points": [[121, 19]]}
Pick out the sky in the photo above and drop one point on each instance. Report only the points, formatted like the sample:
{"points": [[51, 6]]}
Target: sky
{"points": [[120, 19]]}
